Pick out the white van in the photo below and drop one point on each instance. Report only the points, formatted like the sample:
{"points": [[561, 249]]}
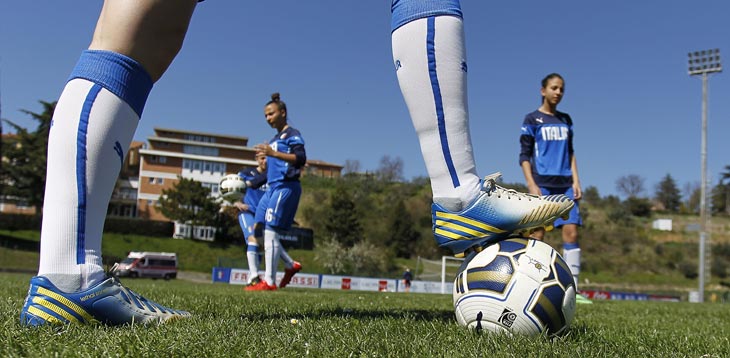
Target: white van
{"points": [[147, 264]]}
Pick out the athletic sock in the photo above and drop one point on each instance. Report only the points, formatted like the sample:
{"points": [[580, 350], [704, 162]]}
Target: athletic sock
{"points": [[271, 249], [429, 55], [571, 254], [92, 126], [252, 256], [284, 256]]}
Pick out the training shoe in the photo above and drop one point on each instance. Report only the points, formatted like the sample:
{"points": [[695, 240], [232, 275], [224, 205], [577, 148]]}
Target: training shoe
{"points": [[261, 286], [495, 214], [580, 299], [106, 302], [289, 273]]}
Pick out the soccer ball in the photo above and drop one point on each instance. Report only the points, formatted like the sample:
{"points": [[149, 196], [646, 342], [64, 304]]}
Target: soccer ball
{"points": [[232, 187], [517, 286]]}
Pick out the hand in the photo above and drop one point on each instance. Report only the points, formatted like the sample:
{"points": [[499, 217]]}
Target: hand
{"points": [[534, 189], [577, 192], [241, 206], [263, 148]]}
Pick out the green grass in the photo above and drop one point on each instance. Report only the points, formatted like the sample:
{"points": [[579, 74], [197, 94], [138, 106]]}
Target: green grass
{"points": [[230, 322]]}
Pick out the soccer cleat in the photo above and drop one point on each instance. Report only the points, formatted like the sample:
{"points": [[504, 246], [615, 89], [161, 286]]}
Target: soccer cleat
{"points": [[107, 302], [254, 281], [289, 273], [260, 286], [495, 214]]}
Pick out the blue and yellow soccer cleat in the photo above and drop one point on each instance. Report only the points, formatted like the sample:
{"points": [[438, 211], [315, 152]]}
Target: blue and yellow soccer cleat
{"points": [[497, 213], [107, 302]]}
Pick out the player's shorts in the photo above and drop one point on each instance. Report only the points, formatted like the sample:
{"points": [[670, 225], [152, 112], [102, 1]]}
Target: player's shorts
{"points": [[246, 220], [574, 217], [279, 204]]}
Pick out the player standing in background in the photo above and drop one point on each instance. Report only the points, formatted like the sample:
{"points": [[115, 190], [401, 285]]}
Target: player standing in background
{"points": [[96, 116], [547, 158], [256, 187], [429, 55], [286, 157]]}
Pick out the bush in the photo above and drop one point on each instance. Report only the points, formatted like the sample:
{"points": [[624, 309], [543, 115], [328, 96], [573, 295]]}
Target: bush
{"points": [[139, 227], [20, 222]]}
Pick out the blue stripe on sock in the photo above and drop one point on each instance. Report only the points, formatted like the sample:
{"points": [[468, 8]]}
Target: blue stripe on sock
{"points": [[405, 11], [431, 50], [81, 172], [570, 246]]}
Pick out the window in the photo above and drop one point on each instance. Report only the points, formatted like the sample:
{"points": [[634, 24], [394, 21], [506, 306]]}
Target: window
{"points": [[159, 181]]}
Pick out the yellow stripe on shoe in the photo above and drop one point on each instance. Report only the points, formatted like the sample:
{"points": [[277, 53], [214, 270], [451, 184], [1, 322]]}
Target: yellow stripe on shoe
{"points": [[76, 308]]}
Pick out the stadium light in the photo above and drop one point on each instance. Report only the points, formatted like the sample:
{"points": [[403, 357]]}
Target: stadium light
{"points": [[703, 63]]}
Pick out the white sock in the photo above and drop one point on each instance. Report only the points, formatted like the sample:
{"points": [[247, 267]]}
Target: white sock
{"points": [[271, 248], [572, 258], [284, 256], [436, 96], [91, 130], [252, 256]]}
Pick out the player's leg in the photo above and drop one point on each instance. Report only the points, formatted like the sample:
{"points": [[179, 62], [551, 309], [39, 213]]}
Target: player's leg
{"points": [[247, 223], [92, 127], [430, 61], [271, 255]]}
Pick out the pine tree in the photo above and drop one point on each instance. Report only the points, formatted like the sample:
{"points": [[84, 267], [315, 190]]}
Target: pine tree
{"points": [[668, 194], [343, 223], [25, 170]]}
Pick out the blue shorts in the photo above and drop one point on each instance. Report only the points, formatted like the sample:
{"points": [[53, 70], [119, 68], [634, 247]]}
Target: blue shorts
{"points": [[574, 213], [246, 220], [279, 204]]}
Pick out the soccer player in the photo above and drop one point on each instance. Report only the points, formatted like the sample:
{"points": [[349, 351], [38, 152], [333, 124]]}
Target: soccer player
{"points": [[430, 61], [133, 44], [547, 158], [255, 189], [286, 157]]}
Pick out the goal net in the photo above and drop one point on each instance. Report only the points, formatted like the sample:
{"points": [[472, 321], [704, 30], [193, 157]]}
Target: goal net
{"points": [[443, 270]]}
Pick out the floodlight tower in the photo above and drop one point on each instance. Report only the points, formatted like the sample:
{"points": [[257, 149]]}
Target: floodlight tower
{"points": [[703, 63]]}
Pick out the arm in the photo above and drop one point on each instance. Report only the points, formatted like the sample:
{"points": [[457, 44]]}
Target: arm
{"points": [[527, 145], [296, 158], [529, 180]]}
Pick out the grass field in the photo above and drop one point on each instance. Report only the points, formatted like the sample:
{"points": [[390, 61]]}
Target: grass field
{"points": [[229, 322]]}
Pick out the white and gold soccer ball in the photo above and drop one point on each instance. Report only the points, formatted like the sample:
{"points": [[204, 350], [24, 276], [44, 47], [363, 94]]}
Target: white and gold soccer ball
{"points": [[232, 187], [517, 286]]}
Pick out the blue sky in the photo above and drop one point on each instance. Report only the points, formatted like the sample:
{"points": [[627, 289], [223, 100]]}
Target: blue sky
{"points": [[636, 110]]}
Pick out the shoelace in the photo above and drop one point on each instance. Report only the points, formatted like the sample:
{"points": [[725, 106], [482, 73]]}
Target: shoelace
{"points": [[490, 186]]}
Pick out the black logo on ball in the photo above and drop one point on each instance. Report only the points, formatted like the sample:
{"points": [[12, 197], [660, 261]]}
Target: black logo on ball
{"points": [[507, 318]]}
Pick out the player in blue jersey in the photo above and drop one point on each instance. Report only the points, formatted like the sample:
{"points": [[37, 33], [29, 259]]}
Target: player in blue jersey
{"points": [[547, 158], [97, 113], [286, 156], [256, 187]]}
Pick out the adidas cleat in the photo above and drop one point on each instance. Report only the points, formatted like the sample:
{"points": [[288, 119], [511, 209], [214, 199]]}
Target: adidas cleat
{"points": [[497, 213], [107, 302]]}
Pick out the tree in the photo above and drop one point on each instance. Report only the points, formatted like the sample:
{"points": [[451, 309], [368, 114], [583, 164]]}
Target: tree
{"points": [[390, 169], [189, 202], [343, 223], [668, 194], [25, 171], [402, 234], [630, 185]]}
